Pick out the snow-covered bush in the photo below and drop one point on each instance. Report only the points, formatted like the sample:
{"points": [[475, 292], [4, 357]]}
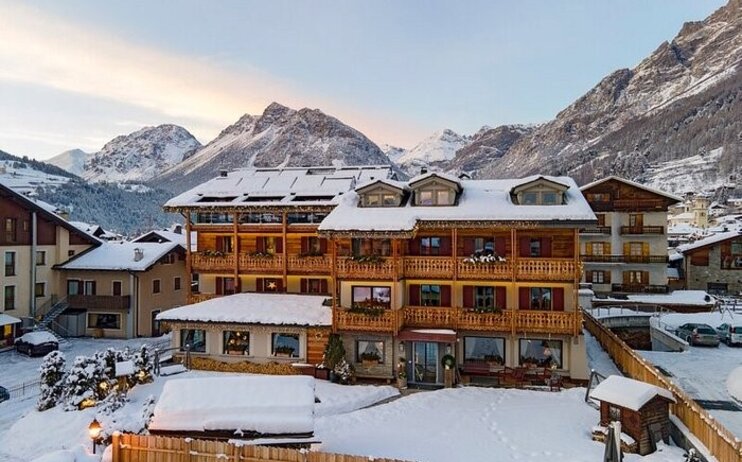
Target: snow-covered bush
{"points": [[52, 372], [344, 372], [86, 383], [143, 365]]}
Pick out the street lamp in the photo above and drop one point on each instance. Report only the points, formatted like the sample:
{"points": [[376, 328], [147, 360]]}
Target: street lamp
{"points": [[94, 430]]}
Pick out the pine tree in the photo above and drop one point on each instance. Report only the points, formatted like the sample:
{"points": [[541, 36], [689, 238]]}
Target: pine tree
{"points": [[52, 372], [334, 351], [86, 383], [143, 365]]}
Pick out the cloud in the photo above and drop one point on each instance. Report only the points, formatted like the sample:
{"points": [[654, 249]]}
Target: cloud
{"points": [[41, 49]]}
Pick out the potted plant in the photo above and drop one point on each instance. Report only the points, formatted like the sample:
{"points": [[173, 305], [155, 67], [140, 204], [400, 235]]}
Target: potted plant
{"points": [[493, 360], [402, 373], [284, 351], [370, 358]]}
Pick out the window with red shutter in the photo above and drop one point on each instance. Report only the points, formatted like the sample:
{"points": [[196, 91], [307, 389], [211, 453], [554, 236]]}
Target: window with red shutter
{"points": [[500, 246], [546, 247], [468, 296], [524, 298], [413, 298], [445, 296], [557, 303], [501, 298]]}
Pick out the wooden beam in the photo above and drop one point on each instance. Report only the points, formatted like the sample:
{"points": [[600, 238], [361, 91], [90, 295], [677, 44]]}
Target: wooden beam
{"points": [[284, 220], [189, 290], [236, 249]]}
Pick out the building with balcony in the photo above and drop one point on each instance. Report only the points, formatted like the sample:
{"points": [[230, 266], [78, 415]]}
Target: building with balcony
{"points": [[714, 263], [627, 251]]}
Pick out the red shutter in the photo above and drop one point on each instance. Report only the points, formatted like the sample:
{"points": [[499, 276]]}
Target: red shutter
{"points": [[446, 246], [501, 297], [414, 246], [525, 247], [500, 246], [279, 245], [260, 245], [414, 295], [323, 246], [588, 276], [524, 295], [445, 295], [279, 285], [468, 296], [219, 286], [323, 286], [546, 247], [304, 244], [259, 285], [557, 304], [303, 283], [468, 246]]}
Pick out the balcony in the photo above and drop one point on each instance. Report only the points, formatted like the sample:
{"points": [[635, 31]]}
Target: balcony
{"points": [[498, 271], [99, 302], [196, 298], [260, 264], [202, 261], [624, 258], [430, 316], [350, 268], [546, 269], [308, 265], [640, 288], [428, 267], [636, 230], [550, 322], [386, 322], [596, 230]]}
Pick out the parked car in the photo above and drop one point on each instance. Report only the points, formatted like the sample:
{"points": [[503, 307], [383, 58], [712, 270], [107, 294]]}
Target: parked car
{"points": [[36, 343], [4, 395], [698, 334], [730, 334]]}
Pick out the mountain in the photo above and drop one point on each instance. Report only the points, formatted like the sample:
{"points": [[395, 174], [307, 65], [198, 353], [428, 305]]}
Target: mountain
{"points": [[281, 136], [392, 152], [681, 104], [432, 152], [141, 155], [27, 175], [73, 160], [487, 145]]}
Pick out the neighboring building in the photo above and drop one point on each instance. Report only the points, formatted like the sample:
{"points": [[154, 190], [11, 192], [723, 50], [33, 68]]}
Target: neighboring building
{"points": [[118, 289], [627, 251], [97, 231], [714, 263], [484, 270], [34, 238]]}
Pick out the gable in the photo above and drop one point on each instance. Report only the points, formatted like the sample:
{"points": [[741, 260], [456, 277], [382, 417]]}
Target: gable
{"points": [[435, 190], [541, 191], [622, 193], [380, 194]]}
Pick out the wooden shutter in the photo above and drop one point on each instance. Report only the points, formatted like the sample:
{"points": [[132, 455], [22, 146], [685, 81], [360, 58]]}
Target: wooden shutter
{"points": [[446, 295], [525, 247], [468, 246], [500, 246], [588, 249], [445, 246], [259, 286], [607, 277], [304, 244], [260, 245], [524, 296], [413, 246], [626, 248], [627, 277], [645, 249], [323, 286], [557, 301], [413, 298], [279, 244], [304, 284], [323, 246], [468, 296], [219, 286], [645, 277], [501, 297], [279, 285], [588, 276], [546, 247]]}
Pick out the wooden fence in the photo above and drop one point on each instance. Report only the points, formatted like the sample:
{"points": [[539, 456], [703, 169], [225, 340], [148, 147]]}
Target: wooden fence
{"points": [[140, 448], [718, 440]]}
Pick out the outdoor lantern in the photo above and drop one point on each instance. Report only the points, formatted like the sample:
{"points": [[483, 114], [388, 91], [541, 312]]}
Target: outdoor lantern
{"points": [[94, 430]]}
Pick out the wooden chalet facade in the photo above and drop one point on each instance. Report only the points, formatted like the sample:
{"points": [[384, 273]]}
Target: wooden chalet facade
{"points": [[484, 272], [714, 264]]}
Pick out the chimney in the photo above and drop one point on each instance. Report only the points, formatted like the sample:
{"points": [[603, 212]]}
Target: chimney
{"points": [[223, 173], [423, 170], [138, 254]]}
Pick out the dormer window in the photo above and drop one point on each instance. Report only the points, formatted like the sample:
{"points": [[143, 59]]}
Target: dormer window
{"points": [[540, 191], [435, 197], [549, 198], [381, 200], [530, 198]]}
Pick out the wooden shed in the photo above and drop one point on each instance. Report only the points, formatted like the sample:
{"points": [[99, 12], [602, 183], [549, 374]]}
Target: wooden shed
{"points": [[642, 409]]}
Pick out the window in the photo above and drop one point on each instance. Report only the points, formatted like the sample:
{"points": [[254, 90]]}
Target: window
{"points": [[176, 283], [40, 289], [430, 295], [372, 297], [601, 218], [313, 246], [599, 197], [484, 245], [168, 259], [40, 257], [74, 287], [212, 218], [636, 249], [89, 288], [269, 244], [365, 247], [284, 344], [388, 200], [155, 324], [636, 220], [442, 197], [597, 248], [614, 413], [116, 288], [535, 248], [236, 343], [313, 286], [9, 303], [426, 198], [370, 350], [484, 349], [484, 297], [104, 321], [11, 230], [195, 338], [224, 244], [530, 198], [434, 197], [263, 218], [10, 263], [156, 286], [373, 200], [540, 298], [634, 277], [541, 352], [598, 277], [430, 246], [549, 198]]}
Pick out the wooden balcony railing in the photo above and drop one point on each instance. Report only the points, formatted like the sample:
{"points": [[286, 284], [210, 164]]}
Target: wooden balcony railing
{"points": [[389, 321], [196, 298], [624, 258], [552, 322], [596, 230], [493, 271], [471, 320], [642, 230], [430, 316], [546, 269], [254, 264], [204, 262], [318, 264], [640, 288], [428, 267], [99, 302], [349, 268]]}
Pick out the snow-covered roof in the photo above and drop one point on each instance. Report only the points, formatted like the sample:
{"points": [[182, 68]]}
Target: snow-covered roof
{"points": [[677, 297], [634, 184], [268, 405], [256, 308], [715, 239], [38, 337], [6, 319], [396, 184], [682, 216], [628, 393], [298, 186], [480, 200], [441, 175], [121, 256], [682, 229]]}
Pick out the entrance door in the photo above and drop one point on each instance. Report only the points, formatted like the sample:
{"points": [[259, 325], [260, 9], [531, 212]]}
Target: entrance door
{"points": [[425, 362]]}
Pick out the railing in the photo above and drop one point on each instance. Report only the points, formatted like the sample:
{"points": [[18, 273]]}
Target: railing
{"points": [[349, 268], [596, 230], [318, 264], [196, 298], [640, 288], [99, 302], [345, 320], [204, 262], [255, 264], [642, 230], [428, 267], [546, 269], [492, 271], [554, 322], [624, 258], [25, 390], [638, 204], [471, 320], [430, 316], [717, 439]]}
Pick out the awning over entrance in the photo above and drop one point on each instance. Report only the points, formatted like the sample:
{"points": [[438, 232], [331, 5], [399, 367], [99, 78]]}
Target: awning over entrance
{"points": [[428, 335], [6, 319]]}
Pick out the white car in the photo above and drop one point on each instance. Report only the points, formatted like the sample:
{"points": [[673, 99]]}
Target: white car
{"points": [[730, 334]]}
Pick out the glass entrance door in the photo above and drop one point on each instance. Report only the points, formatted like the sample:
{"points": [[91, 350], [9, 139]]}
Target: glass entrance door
{"points": [[425, 362]]}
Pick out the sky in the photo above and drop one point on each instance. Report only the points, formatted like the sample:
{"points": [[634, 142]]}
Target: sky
{"points": [[76, 73]]}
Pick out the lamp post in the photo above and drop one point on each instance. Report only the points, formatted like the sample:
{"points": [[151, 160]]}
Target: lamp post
{"points": [[94, 430]]}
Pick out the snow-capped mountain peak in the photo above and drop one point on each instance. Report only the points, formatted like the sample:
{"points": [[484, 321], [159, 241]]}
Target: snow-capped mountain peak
{"points": [[441, 146], [72, 160]]}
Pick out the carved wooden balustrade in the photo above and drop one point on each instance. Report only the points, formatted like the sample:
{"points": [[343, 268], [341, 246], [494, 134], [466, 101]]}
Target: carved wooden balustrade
{"points": [[195, 298], [260, 264], [428, 267], [314, 264], [430, 316], [546, 269], [206, 262], [471, 320], [491, 271], [349, 268], [389, 321], [552, 322]]}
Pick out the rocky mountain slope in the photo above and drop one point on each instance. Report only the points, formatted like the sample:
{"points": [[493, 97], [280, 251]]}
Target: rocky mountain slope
{"points": [[72, 160], [141, 155], [281, 136], [435, 151]]}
